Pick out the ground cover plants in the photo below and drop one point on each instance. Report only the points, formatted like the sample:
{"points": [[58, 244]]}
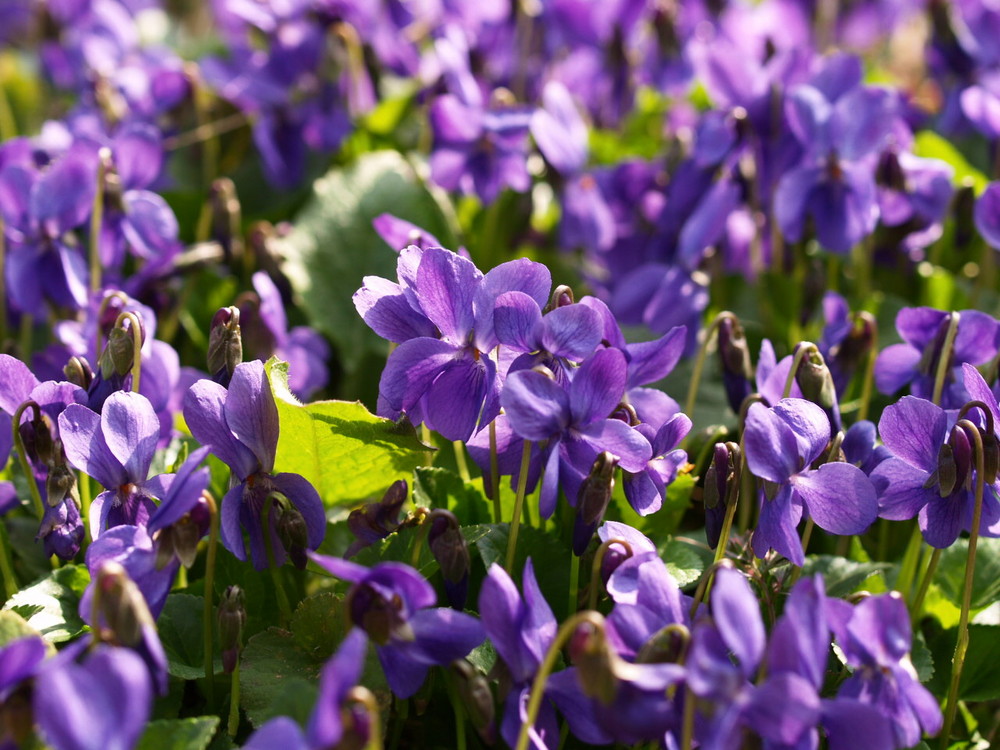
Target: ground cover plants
{"points": [[522, 373]]}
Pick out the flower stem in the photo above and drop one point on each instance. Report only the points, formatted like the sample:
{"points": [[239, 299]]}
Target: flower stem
{"points": [[456, 705], [699, 363], [595, 568], [574, 584], [213, 543], [22, 457], [962, 645], [86, 498], [908, 568], [234, 702], [916, 608], [687, 729], [732, 500], [7, 562], [495, 474], [522, 485], [541, 677], [944, 359], [279, 590], [804, 349], [463, 465], [867, 384], [96, 218]]}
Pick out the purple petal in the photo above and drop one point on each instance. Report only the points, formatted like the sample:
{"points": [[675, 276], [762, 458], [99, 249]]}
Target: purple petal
{"points": [[138, 152], [851, 724], [914, 430], [131, 431], [942, 520], [307, 501], [404, 675], [204, 406], [572, 332], [559, 130], [411, 368], [521, 275], [150, 226], [454, 402], [919, 325], [776, 528], [502, 613], [650, 361], [341, 568], [784, 708], [85, 446], [16, 383], [230, 528], [628, 444], [282, 732], [770, 445], [251, 413], [444, 635], [900, 488], [340, 674], [737, 615], [839, 497], [447, 284], [385, 308], [862, 120], [979, 390], [597, 387], [516, 319], [987, 214], [976, 340], [18, 660], [183, 493], [809, 423], [536, 406]]}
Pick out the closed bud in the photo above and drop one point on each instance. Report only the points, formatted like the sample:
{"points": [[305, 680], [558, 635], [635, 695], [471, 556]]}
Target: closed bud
{"points": [[734, 356], [452, 554], [38, 440], [225, 344], [232, 616], [294, 534], [991, 457], [562, 296], [474, 690], [79, 372], [380, 617], [119, 354], [59, 484], [667, 645], [594, 660], [947, 472], [593, 498], [376, 521], [120, 607], [815, 381]]}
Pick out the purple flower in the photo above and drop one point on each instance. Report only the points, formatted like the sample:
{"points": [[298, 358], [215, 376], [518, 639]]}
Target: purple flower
{"points": [[102, 703], [241, 427], [393, 604], [576, 423], [875, 636], [449, 380], [645, 490], [133, 549], [781, 443], [924, 329], [116, 448], [929, 473], [987, 215]]}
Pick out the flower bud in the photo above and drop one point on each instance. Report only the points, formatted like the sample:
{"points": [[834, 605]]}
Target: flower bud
{"points": [[225, 344], [562, 296], [452, 554], [666, 646], [593, 498], [816, 382], [79, 372], [120, 607], [59, 483], [376, 521], [734, 356], [294, 534], [991, 457], [594, 659], [119, 354], [61, 530], [232, 618], [17, 718], [474, 690], [381, 618]]}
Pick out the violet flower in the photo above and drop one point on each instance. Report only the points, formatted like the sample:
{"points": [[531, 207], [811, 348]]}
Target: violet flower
{"points": [[781, 443], [393, 603], [241, 427], [116, 448]]}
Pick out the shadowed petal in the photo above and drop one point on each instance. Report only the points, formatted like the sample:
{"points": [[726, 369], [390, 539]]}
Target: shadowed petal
{"points": [[895, 367], [131, 430], [229, 522], [914, 430], [571, 331], [411, 368], [454, 401], [536, 406], [737, 615], [900, 489], [770, 445], [385, 308], [941, 520], [251, 413], [597, 387], [307, 501], [204, 414], [83, 441], [516, 318], [776, 528], [839, 497]]}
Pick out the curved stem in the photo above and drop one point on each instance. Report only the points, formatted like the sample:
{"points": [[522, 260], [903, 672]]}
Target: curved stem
{"points": [[962, 645], [495, 474], [805, 348], [7, 562], [86, 498], [522, 485], [699, 363], [100, 315], [136, 331], [595, 568], [364, 696], [279, 589], [944, 358], [213, 543], [541, 677], [22, 457]]}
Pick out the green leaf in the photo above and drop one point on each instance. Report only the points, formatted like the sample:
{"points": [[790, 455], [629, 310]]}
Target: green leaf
{"points": [[346, 452], [50, 605], [684, 564], [179, 734], [13, 627], [180, 627], [841, 576], [440, 488], [979, 681], [931, 145], [277, 677], [319, 624], [950, 575], [922, 658], [333, 247]]}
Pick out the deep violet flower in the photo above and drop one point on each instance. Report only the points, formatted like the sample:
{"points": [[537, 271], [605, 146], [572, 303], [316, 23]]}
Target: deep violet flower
{"points": [[575, 422], [521, 630], [241, 426], [781, 443], [923, 330], [394, 605], [448, 380], [116, 448]]}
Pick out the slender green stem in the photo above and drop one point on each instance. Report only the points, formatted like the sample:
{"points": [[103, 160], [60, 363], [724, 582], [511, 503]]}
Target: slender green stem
{"points": [[574, 583], [207, 619], [869, 376], [733, 498], [522, 484], [962, 645], [86, 498], [542, 675], [687, 728], [8, 125], [463, 465], [916, 609], [7, 562], [234, 702], [703, 583], [425, 437], [283, 606], [805, 348], [456, 705], [699, 363], [96, 218], [22, 457], [595, 569], [945, 358], [495, 474], [908, 567], [136, 331]]}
